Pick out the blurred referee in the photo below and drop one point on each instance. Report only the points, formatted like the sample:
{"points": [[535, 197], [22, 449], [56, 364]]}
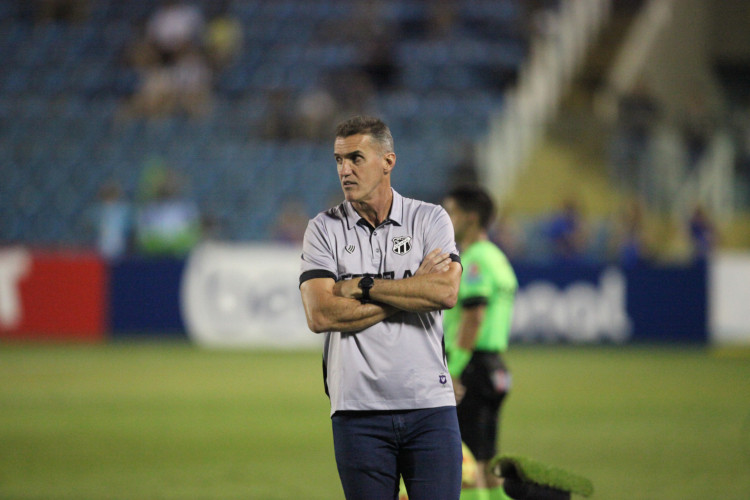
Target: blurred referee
{"points": [[476, 333], [376, 272]]}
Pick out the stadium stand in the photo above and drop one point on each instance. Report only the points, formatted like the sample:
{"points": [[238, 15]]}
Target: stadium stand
{"points": [[66, 83]]}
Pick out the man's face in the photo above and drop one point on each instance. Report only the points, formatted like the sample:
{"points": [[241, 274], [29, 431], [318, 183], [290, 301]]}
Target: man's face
{"points": [[362, 166]]}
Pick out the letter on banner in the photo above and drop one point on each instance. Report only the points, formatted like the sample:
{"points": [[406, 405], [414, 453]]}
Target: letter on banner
{"points": [[15, 263]]}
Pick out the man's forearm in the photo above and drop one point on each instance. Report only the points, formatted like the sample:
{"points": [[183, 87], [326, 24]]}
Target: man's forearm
{"points": [[353, 316], [418, 293], [327, 311], [433, 287]]}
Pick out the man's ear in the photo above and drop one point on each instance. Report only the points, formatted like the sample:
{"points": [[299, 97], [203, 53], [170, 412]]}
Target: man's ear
{"points": [[389, 161]]}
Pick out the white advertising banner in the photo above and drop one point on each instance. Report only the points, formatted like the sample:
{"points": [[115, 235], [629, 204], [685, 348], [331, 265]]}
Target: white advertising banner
{"points": [[729, 298], [245, 295]]}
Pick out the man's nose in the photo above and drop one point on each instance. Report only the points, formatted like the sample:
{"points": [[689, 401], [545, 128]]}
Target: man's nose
{"points": [[346, 167]]}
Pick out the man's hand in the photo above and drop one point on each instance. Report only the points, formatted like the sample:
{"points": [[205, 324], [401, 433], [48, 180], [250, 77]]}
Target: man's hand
{"points": [[327, 309], [434, 262], [347, 289]]}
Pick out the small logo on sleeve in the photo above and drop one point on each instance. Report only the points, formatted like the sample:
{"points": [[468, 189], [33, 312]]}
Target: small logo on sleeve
{"points": [[401, 244], [349, 248]]}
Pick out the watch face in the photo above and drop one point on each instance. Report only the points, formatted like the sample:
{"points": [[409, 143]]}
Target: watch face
{"points": [[365, 284]]}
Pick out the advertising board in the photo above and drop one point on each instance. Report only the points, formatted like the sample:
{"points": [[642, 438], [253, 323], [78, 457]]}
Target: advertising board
{"points": [[245, 295], [52, 295]]}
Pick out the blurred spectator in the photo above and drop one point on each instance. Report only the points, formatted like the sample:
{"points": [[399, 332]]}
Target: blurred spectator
{"points": [[380, 64], [311, 114], [703, 234], [210, 227], [544, 19], [58, 10], [370, 29], [154, 95], [279, 120], [464, 170], [566, 232], [175, 76], [367, 22], [442, 19], [637, 115], [114, 222], [354, 93], [375, 34], [629, 241], [167, 224], [183, 87], [192, 84], [317, 112], [175, 28], [291, 223], [698, 125], [741, 130], [223, 40]]}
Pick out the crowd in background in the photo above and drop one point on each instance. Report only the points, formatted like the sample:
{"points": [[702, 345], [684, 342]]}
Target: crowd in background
{"points": [[181, 48], [161, 222], [568, 235]]}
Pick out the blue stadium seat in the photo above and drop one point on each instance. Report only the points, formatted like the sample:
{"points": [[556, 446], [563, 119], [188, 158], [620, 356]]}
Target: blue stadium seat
{"points": [[62, 133]]}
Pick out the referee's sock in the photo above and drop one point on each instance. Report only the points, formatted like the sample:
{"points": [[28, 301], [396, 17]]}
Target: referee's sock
{"points": [[475, 494]]}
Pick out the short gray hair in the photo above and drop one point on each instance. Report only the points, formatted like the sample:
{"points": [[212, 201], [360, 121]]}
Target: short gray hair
{"points": [[367, 125]]}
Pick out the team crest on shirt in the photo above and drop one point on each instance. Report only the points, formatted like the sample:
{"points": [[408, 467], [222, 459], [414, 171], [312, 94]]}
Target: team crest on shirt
{"points": [[349, 248], [401, 244]]}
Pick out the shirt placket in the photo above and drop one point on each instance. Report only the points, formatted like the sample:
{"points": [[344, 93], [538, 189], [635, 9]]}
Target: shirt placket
{"points": [[376, 246]]}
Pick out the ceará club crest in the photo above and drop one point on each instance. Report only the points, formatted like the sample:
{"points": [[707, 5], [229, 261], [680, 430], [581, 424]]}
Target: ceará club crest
{"points": [[401, 244]]}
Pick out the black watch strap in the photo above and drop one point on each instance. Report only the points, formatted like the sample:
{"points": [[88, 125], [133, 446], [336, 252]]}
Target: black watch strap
{"points": [[365, 284]]}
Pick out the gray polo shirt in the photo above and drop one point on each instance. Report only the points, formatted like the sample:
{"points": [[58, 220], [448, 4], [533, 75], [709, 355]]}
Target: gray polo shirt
{"points": [[399, 363]]}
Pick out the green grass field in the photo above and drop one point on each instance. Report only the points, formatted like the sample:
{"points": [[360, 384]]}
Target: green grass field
{"points": [[171, 421]]}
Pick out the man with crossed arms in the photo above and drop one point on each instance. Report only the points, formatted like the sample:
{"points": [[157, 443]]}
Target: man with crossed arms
{"points": [[376, 273]]}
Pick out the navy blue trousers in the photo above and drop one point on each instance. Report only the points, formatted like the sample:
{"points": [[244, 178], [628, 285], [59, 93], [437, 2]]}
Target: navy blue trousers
{"points": [[374, 448]]}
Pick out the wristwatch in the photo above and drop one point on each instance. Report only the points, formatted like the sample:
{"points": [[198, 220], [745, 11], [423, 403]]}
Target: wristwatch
{"points": [[365, 284]]}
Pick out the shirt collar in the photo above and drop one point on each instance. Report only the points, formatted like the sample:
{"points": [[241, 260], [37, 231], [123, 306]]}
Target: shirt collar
{"points": [[394, 217]]}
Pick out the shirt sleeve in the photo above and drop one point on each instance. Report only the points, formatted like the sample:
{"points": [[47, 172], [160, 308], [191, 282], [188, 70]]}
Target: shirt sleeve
{"points": [[317, 258], [439, 233]]}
